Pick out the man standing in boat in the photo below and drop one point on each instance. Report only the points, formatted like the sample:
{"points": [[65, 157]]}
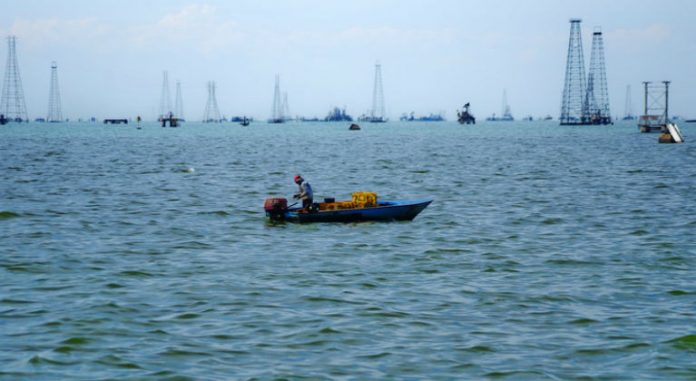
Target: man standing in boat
{"points": [[305, 194]]}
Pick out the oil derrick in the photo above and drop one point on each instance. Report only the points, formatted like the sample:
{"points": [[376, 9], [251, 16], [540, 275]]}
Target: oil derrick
{"points": [[178, 103], [597, 98], [286, 107], [12, 105], [54, 110], [573, 103], [165, 100], [377, 114], [277, 111], [506, 114], [212, 113], [628, 108]]}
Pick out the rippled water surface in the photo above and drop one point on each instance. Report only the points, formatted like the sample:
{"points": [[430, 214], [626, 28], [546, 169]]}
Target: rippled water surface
{"points": [[548, 253]]}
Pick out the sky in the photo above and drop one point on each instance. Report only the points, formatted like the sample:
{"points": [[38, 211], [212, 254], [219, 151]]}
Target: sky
{"points": [[435, 54]]}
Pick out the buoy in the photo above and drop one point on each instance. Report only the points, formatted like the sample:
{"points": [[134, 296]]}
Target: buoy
{"points": [[671, 134], [665, 138]]}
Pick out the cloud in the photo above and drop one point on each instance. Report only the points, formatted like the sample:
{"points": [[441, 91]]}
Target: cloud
{"points": [[207, 29], [391, 35], [639, 38], [43, 32], [195, 27]]}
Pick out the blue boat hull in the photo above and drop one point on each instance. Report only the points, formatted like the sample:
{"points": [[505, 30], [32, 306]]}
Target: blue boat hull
{"points": [[384, 211]]}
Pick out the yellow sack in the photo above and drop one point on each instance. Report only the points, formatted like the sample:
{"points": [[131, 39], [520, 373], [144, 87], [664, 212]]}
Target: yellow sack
{"points": [[365, 199]]}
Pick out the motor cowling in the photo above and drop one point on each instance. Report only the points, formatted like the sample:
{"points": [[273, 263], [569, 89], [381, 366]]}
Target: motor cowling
{"points": [[276, 207]]}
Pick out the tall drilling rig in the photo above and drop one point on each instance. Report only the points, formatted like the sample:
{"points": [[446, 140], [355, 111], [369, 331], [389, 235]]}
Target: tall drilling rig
{"points": [[12, 105], [572, 104], [55, 114], [585, 101], [277, 110], [377, 114], [165, 99], [179, 103], [212, 113], [597, 92]]}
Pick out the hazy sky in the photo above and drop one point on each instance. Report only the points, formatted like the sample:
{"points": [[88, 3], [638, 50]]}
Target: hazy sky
{"points": [[435, 55]]}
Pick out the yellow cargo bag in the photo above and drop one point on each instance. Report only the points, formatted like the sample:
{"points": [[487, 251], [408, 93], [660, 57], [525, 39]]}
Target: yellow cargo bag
{"points": [[365, 199], [345, 205], [337, 205]]}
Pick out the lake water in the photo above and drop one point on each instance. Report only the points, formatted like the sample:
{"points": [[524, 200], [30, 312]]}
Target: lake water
{"points": [[548, 253]]}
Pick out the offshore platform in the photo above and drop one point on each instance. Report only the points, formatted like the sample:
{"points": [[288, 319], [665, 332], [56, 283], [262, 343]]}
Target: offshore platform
{"points": [[655, 117], [166, 115], [585, 100], [505, 114]]}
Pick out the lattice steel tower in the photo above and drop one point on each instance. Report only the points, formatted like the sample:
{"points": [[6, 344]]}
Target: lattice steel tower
{"points": [[212, 113], [165, 98], [597, 98], [54, 110], [12, 104], [179, 103], [377, 114], [628, 107], [286, 107], [572, 106], [277, 111]]}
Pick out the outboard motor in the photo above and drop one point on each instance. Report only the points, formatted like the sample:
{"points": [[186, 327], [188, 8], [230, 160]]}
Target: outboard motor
{"points": [[275, 208]]}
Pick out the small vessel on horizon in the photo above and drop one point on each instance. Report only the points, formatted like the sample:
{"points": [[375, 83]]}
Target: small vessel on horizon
{"points": [[372, 119], [465, 117], [338, 115], [506, 115], [428, 118]]}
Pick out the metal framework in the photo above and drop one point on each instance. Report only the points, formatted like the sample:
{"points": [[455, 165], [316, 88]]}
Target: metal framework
{"points": [[655, 107], [378, 114], [212, 113], [286, 107], [277, 110], [572, 106], [597, 98], [55, 113], [165, 99], [628, 107], [12, 104], [506, 114], [178, 103], [584, 101]]}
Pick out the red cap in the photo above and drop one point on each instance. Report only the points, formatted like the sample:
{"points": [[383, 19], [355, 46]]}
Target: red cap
{"points": [[298, 178]]}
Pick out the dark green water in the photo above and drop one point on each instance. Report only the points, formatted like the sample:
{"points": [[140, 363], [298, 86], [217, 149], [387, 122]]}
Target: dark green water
{"points": [[549, 253]]}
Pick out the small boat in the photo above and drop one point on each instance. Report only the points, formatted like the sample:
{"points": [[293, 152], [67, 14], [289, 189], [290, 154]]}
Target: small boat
{"points": [[465, 117], [402, 210], [245, 121]]}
